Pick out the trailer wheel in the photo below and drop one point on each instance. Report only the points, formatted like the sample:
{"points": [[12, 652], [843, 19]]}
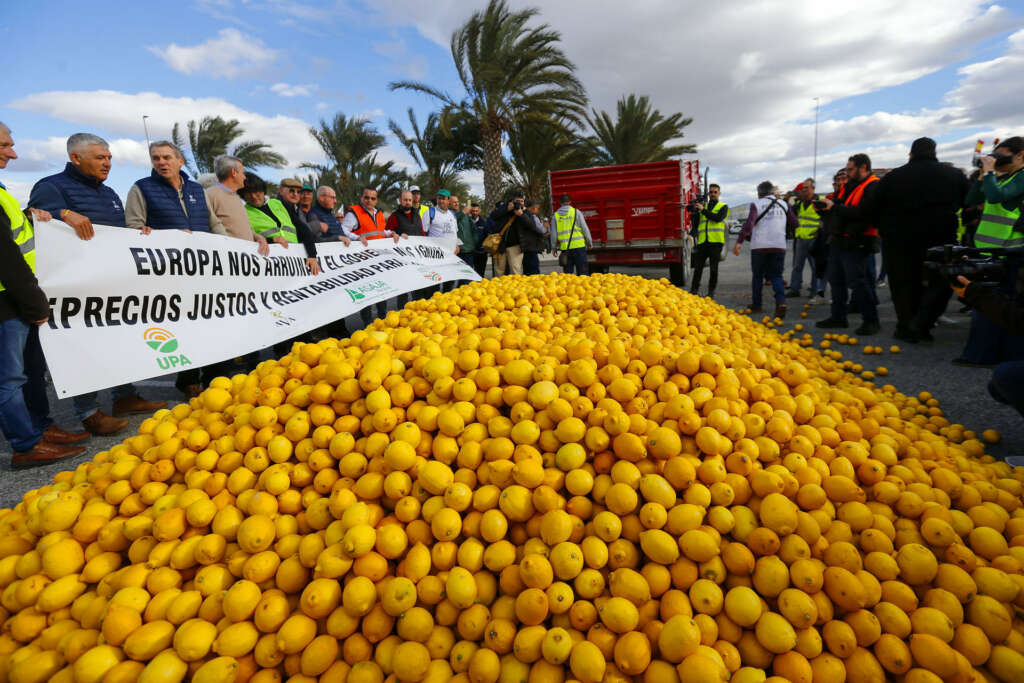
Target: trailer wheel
{"points": [[676, 275], [680, 272]]}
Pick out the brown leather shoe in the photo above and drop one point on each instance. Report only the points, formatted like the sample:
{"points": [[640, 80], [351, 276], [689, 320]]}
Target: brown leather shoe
{"points": [[131, 405], [57, 434], [101, 424], [43, 453]]}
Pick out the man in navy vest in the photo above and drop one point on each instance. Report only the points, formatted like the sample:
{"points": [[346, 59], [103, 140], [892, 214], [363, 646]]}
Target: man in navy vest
{"points": [[323, 210], [169, 200], [78, 197]]}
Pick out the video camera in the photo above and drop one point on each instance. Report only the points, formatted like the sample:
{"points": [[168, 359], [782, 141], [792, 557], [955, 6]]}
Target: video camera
{"points": [[985, 266]]}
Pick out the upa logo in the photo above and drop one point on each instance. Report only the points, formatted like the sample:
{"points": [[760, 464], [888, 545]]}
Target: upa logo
{"points": [[165, 343], [433, 276]]}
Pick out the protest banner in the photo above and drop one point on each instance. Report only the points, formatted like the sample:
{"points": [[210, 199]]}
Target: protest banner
{"points": [[127, 306]]}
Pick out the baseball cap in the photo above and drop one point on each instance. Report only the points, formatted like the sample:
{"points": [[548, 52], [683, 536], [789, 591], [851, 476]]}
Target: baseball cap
{"points": [[307, 188], [291, 182], [444, 193], [798, 187], [414, 188]]}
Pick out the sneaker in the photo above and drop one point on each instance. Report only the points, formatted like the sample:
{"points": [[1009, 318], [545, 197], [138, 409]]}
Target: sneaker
{"points": [[831, 324], [780, 310], [812, 301], [867, 329], [946, 320], [881, 283]]}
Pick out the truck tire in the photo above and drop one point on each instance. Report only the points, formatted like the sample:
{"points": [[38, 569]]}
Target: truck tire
{"points": [[680, 272], [676, 275]]}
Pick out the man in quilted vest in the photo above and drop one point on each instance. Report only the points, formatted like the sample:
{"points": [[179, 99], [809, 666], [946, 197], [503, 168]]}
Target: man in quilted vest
{"points": [[78, 196]]}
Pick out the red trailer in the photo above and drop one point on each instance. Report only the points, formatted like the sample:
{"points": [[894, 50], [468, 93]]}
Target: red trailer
{"points": [[635, 212]]}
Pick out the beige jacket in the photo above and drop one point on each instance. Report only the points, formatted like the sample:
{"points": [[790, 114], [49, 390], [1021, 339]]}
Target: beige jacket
{"points": [[230, 211]]}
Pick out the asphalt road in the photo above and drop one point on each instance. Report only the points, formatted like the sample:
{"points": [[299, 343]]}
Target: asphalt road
{"points": [[961, 391]]}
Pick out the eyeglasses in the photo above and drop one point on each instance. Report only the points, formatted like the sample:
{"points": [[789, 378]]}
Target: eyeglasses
{"points": [[289, 188], [369, 198]]}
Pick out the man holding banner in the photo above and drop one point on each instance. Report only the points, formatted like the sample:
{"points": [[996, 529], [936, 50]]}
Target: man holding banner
{"points": [[24, 408], [78, 196]]}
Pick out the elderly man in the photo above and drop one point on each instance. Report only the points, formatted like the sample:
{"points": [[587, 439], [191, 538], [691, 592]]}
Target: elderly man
{"points": [[168, 199], [24, 408], [288, 192], [306, 201], [79, 197], [323, 210], [466, 231], [227, 206]]}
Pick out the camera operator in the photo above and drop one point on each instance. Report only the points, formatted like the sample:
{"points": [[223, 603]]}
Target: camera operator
{"points": [[1007, 383], [708, 237], [1001, 187]]}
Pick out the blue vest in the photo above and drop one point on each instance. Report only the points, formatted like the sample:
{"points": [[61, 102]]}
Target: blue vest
{"points": [[87, 196], [323, 215], [163, 210]]}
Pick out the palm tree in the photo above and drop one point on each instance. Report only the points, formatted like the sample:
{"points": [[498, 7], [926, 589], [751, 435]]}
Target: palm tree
{"points": [[212, 136], [438, 153], [347, 142], [512, 73], [535, 149], [638, 133]]}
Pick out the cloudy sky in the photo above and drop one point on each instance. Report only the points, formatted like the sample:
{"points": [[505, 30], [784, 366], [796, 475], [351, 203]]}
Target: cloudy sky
{"points": [[748, 73]]}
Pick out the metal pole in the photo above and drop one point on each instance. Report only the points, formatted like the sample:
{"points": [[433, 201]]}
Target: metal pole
{"points": [[146, 128], [814, 174]]}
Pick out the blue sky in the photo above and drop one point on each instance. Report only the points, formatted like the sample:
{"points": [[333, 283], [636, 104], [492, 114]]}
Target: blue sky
{"points": [[747, 73]]}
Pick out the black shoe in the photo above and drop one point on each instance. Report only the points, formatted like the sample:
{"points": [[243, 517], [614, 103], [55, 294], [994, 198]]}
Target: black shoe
{"points": [[831, 324], [792, 294], [756, 309], [780, 310], [925, 337], [821, 293], [868, 329], [905, 336]]}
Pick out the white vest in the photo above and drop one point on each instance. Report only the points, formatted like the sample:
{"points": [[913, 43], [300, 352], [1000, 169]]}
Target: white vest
{"points": [[770, 231]]}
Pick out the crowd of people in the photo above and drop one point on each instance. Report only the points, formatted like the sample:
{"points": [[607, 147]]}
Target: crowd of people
{"points": [[909, 210], [233, 202]]}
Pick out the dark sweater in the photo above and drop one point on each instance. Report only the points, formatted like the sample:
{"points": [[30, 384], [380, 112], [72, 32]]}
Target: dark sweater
{"points": [[405, 222], [21, 297]]}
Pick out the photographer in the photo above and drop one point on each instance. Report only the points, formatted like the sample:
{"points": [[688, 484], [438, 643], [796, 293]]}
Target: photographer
{"points": [[517, 225], [1007, 383], [708, 236], [1001, 187]]}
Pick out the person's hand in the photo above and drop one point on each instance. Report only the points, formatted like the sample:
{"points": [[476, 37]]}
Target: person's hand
{"points": [[187, 230], [81, 224], [736, 249], [282, 241], [964, 282], [698, 206], [263, 249], [323, 227], [988, 163], [363, 241], [145, 229], [828, 203], [456, 250], [313, 265], [395, 236], [344, 240], [41, 216], [405, 236]]}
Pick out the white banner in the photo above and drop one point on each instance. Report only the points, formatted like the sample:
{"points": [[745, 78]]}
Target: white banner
{"points": [[127, 306]]}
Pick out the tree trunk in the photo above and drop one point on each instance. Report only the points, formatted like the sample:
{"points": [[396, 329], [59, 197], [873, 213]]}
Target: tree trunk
{"points": [[491, 138]]}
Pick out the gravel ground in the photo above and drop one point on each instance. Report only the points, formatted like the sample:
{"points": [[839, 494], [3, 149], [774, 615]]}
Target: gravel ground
{"points": [[961, 391]]}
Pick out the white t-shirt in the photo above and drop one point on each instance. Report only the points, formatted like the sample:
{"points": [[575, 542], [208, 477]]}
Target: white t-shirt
{"points": [[441, 224]]}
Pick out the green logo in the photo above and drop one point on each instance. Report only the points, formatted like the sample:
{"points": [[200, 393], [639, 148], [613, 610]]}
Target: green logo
{"points": [[356, 296], [160, 340]]}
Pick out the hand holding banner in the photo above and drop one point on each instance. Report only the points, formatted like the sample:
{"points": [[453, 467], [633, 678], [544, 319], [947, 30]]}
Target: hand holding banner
{"points": [[127, 306]]}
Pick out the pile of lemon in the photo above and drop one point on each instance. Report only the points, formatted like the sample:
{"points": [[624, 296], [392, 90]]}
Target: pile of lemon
{"points": [[528, 479]]}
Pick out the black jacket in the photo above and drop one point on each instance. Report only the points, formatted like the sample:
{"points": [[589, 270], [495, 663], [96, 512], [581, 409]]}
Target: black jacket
{"points": [[848, 224], [1005, 311], [21, 297], [918, 202], [302, 229], [521, 233]]}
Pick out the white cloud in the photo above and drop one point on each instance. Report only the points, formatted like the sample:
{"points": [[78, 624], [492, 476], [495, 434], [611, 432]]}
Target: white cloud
{"points": [[119, 115], [289, 90], [748, 72], [229, 55]]}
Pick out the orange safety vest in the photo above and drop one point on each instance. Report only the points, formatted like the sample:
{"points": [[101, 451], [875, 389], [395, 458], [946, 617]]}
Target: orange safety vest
{"points": [[856, 196], [370, 228]]}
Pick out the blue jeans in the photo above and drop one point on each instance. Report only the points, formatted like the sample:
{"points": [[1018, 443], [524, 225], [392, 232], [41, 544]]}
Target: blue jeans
{"points": [[767, 265], [849, 269], [24, 408], [1007, 384], [86, 404], [577, 261], [988, 342], [531, 263], [802, 254]]}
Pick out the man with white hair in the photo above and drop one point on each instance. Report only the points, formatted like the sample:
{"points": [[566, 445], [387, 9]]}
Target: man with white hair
{"points": [[78, 196], [168, 199], [323, 210], [224, 202], [24, 408]]}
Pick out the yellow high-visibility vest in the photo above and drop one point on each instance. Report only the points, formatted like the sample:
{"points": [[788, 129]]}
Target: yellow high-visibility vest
{"points": [[24, 234]]}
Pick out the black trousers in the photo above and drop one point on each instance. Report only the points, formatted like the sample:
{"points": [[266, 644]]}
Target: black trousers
{"points": [[919, 295], [706, 251]]}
